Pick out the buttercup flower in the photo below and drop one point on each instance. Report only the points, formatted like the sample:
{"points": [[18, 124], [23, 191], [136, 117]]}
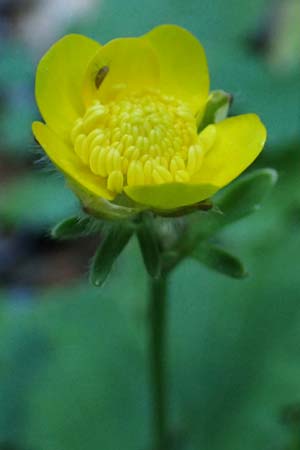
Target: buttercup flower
{"points": [[122, 120]]}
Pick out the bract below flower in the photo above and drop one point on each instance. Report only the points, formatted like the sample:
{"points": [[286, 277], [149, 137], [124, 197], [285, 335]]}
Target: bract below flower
{"points": [[121, 122]]}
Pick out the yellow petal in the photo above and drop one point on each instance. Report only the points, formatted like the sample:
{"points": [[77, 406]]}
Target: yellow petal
{"points": [[67, 161], [183, 66], [170, 195], [239, 140], [127, 64], [59, 77]]}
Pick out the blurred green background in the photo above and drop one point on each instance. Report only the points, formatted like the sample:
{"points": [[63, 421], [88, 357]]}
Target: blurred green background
{"points": [[73, 359]]}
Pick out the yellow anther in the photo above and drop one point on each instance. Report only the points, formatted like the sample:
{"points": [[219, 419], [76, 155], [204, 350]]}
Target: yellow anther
{"points": [[115, 181], [148, 166], [124, 164], [80, 147], [146, 143], [165, 173], [135, 131], [177, 143], [98, 140], [184, 113], [177, 163], [140, 143], [124, 116], [93, 163], [207, 137], [162, 161], [129, 151], [119, 146], [135, 174], [157, 178], [152, 150], [153, 136], [147, 126], [182, 176], [195, 155], [117, 134], [113, 160], [143, 138], [77, 129], [161, 175], [101, 165], [127, 140], [93, 136], [144, 158], [96, 107], [93, 119]]}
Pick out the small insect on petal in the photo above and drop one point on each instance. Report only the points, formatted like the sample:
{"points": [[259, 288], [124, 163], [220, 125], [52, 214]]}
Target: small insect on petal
{"points": [[100, 76]]}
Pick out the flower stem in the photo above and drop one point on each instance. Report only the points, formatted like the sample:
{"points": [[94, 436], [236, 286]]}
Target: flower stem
{"points": [[158, 359]]}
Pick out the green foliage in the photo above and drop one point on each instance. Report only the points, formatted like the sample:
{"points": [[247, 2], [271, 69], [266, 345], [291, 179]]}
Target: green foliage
{"points": [[218, 259], [246, 195], [216, 109], [116, 238], [239, 199], [75, 227], [149, 245]]}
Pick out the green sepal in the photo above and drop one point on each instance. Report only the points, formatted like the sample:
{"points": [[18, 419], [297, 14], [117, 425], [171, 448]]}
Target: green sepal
{"points": [[149, 244], [217, 108], [204, 205], [121, 209], [117, 236], [218, 259], [238, 200], [73, 227], [246, 195]]}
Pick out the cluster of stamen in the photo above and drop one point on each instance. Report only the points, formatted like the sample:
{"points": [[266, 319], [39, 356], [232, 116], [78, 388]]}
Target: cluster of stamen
{"points": [[139, 140]]}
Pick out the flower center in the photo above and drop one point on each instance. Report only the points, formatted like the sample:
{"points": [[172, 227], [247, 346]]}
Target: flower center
{"points": [[139, 140]]}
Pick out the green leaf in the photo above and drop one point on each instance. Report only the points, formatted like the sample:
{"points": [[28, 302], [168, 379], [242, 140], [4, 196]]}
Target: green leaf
{"points": [[149, 245], [238, 200], [246, 195], [216, 109], [74, 227], [219, 260], [116, 239]]}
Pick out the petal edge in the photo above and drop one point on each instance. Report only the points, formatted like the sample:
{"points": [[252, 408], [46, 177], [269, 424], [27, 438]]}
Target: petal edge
{"points": [[66, 160], [239, 140], [170, 195], [59, 78], [183, 65]]}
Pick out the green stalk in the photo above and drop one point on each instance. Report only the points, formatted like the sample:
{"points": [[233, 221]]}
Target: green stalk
{"points": [[158, 299]]}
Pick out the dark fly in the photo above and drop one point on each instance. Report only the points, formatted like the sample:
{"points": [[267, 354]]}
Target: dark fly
{"points": [[100, 76]]}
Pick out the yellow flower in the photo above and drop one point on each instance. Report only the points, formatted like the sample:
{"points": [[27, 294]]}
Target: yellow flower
{"points": [[121, 121]]}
